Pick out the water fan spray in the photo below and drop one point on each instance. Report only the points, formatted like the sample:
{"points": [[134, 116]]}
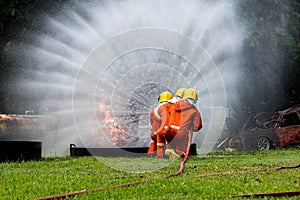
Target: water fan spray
{"points": [[101, 66]]}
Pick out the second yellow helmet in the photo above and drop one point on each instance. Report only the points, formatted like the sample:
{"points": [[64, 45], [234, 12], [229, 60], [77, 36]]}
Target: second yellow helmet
{"points": [[180, 92], [190, 93]]}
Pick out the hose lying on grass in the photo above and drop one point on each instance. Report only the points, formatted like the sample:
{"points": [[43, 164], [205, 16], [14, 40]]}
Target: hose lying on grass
{"points": [[247, 171], [274, 194], [71, 194], [290, 193], [269, 194]]}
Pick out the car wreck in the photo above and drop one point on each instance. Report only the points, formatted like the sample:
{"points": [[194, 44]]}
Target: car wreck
{"points": [[264, 131]]}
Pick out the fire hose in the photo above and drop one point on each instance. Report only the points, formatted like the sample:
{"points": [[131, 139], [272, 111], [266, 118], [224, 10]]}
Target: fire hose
{"points": [[181, 168], [247, 171], [186, 155], [268, 194], [71, 194]]}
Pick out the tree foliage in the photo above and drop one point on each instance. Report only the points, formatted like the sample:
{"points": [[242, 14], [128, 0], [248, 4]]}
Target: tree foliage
{"points": [[271, 54], [17, 18]]}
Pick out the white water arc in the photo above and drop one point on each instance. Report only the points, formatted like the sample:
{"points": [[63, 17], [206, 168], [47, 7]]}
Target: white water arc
{"points": [[103, 65], [168, 60]]}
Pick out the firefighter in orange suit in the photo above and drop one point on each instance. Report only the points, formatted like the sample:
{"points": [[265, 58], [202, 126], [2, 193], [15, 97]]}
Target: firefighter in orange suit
{"points": [[163, 112], [155, 120], [183, 117]]}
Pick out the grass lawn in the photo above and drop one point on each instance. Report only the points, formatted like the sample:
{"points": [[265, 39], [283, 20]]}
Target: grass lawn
{"points": [[53, 176]]}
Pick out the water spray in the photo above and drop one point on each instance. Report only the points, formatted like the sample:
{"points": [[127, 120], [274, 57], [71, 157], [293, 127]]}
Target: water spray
{"points": [[102, 65]]}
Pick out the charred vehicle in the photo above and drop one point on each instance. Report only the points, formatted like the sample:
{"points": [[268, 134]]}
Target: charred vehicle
{"points": [[265, 131]]}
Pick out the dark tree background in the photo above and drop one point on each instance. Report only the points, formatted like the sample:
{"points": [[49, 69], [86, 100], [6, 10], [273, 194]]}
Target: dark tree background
{"points": [[270, 65], [17, 19], [272, 50]]}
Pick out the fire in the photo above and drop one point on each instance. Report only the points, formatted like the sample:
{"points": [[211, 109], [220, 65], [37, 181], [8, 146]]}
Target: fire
{"points": [[112, 127]]}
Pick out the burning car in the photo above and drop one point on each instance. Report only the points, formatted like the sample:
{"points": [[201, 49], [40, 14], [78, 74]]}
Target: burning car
{"points": [[265, 131]]}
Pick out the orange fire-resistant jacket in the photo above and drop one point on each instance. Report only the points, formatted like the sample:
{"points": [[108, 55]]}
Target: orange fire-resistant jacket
{"points": [[175, 130], [163, 112], [189, 118], [155, 121]]}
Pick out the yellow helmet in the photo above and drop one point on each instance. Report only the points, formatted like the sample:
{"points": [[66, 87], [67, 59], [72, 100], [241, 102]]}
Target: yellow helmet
{"points": [[180, 92], [190, 93], [164, 96]]}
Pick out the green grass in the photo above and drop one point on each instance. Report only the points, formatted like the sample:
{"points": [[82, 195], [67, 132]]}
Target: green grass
{"points": [[52, 176]]}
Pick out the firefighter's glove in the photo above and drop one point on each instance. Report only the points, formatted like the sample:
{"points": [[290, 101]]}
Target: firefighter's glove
{"points": [[171, 154]]}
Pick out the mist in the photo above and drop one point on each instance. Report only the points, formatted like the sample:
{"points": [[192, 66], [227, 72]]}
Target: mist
{"points": [[101, 65]]}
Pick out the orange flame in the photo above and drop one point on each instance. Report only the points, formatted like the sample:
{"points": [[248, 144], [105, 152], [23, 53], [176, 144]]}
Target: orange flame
{"points": [[110, 126]]}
